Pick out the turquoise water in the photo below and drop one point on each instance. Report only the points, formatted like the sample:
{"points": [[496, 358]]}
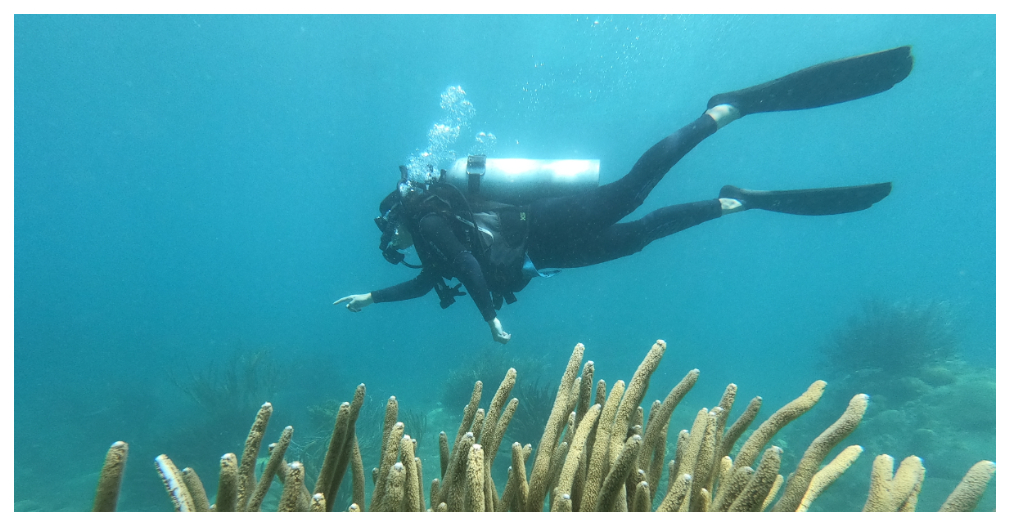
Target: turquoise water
{"points": [[193, 189]]}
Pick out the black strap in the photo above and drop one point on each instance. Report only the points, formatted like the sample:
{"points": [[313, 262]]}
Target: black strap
{"points": [[475, 167], [499, 297], [446, 294]]}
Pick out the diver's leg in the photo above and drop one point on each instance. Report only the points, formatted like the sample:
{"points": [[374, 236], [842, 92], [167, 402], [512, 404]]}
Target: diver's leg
{"points": [[554, 219], [824, 84], [624, 239]]}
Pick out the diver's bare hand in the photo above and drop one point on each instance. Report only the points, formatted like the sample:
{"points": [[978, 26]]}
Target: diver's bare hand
{"points": [[356, 302], [498, 333]]}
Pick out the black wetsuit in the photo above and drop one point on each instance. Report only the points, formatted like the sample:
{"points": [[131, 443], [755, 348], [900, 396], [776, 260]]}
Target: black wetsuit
{"points": [[569, 231]]}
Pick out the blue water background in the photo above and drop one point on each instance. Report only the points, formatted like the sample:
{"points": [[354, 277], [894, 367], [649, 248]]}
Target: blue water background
{"points": [[188, 184]]}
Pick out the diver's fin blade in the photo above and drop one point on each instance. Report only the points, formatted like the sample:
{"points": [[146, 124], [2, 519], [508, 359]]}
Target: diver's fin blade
{"points": [[824, 84], [813, 202]]}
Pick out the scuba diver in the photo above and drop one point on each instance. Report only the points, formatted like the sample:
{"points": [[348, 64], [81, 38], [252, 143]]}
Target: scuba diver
{"points": [[494, 249]]}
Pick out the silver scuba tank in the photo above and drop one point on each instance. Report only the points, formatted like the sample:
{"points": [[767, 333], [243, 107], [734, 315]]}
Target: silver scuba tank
{"points": [[521, 181]]}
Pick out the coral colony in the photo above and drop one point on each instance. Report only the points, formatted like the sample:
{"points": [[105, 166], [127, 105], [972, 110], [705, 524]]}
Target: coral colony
{"points": [[594, 456]]}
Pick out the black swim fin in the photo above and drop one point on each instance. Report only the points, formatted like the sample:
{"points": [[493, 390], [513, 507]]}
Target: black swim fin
{"points": [[824, 84], [813, 202]]}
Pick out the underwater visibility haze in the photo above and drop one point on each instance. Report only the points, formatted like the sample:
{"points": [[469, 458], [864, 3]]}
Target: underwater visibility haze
{"points": [[192, 193]]}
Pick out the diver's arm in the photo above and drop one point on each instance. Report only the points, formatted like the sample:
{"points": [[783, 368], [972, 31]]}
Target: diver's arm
{"points": [[497, 332], [467, 270], [407, 290], [356, 302], [464, 266], [414, 288]]}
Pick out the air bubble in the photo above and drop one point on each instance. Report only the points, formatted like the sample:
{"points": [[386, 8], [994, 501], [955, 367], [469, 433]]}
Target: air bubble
{"points": [[423, 166]]}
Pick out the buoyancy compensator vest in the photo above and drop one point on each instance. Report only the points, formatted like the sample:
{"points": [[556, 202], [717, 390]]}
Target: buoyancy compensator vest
{"points": [[504, 188], [503, 231], [495, 233], [486, 200]]}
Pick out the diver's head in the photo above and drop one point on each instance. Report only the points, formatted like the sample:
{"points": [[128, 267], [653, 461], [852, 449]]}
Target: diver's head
{"points": [[388, 221], [392, 218], [402, 239]]}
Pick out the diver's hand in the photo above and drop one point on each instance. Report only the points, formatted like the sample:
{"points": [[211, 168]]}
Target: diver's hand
{"points": [[356, 302], [498, 333]]}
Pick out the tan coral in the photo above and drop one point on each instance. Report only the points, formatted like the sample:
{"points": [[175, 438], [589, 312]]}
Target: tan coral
{"points": [[247, 468], [968, 492], [420, 483], [773, 493], [576, 458], [443, 452], [475, 480], [227, 489], [565, 503], [599, 458], [828, 474], [906, 484], [758, 487], [688, 460], [778, 420], [633, 396], [389, 454], [819, 449], [392, 497], [469, 412], [625, 462], [390, 419], [731, 487], [276, 459], [541, 463], [678, 491], [107, 494], [705, 459], [492, 443], [357, 476], [653, 448], [516, 499], [453, 490], [498, 403], [347, 444], [304, 497], [879, 497], [585, 392], [333, 451], [196, 490], [642, 498], [739, 426], [411, 487], [726, 405], [478, 424], [576, 450], [291, 495]]}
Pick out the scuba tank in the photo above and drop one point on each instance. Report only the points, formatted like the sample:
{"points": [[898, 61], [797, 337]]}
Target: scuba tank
{"points": [[521, 181]]}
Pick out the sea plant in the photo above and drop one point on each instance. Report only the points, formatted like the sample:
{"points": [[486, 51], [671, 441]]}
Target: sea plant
{"points": [[894, 337], [238, 385], [536, 400], [487, 366]]}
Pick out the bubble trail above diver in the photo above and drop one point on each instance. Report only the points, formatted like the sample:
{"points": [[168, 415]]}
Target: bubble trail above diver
{"points": [[458, 112]]}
